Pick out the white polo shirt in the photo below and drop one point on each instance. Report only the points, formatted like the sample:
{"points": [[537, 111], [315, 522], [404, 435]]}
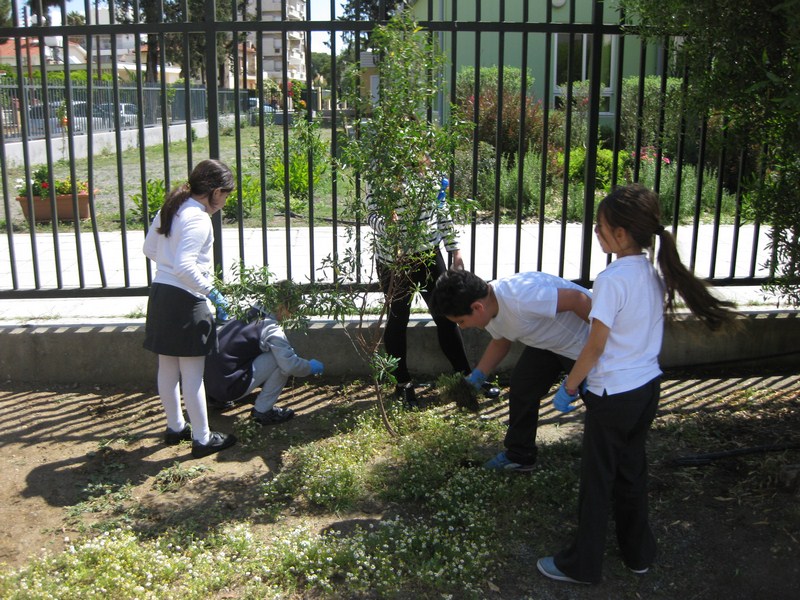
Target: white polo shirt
{"points": [[629, 299], [527, 313]]}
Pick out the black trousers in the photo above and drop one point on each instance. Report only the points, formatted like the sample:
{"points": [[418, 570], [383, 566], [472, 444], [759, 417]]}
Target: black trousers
{"points": [[613, 477], [534, 374], [424, 274]]}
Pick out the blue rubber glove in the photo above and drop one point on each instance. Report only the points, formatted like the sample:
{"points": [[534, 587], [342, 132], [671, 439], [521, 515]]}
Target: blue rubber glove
{"points": [[316, 367], [563, 400], [443, 192], [476, 379], [220, 302]]}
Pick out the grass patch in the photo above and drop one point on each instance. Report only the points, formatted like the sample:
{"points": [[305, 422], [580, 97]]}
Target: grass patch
{"points": [[356, 513]]}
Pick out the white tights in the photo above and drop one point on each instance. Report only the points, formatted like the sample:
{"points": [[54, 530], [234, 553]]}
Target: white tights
{"points": [[175, 372]]}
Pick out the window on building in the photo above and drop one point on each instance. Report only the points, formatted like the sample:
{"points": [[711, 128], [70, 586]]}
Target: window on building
{"points": [[581, 60]]}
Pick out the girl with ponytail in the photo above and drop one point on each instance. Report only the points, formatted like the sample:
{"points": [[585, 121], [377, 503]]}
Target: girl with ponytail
{"points": [[618, 376]]}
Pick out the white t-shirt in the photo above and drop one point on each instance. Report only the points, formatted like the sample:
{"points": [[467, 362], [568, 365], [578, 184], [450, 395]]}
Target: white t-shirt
{"points": [[184, 259], [527, 313], [629, 300]]}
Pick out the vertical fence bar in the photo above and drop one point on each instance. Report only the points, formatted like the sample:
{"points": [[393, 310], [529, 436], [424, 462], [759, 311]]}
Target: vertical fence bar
{"points": [[476, 94], [718, 203], [334, 143], [310, 154], [548, 92], [698, 194], [590, 173], [498, 155], [562, 246], [287, 207], [213, 117], [737, 220], [523, 139]]}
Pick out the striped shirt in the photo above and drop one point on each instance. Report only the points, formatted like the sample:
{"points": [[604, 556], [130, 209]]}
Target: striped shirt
{"points": [[433, 221]]}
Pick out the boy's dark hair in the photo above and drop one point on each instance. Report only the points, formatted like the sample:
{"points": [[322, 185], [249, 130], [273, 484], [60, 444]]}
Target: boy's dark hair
{"points": [[455, 291]]}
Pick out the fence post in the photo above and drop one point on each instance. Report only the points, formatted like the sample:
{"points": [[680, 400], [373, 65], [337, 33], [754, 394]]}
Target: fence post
{"points": [[590, 172], [213, 115]]}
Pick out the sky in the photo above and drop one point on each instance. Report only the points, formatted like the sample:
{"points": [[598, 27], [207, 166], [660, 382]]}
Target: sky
{"points": [[320, 11]]}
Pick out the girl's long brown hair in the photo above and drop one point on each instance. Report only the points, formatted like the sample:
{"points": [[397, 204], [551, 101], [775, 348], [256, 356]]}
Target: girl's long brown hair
{"points": [[637, 210], [207, 176]]}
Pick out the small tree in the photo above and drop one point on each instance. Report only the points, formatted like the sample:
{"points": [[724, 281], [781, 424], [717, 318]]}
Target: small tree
{"points": [[401, 157]]}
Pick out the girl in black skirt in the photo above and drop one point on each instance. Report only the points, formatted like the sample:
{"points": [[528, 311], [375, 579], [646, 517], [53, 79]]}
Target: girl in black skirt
{"points": [[180, 327]]}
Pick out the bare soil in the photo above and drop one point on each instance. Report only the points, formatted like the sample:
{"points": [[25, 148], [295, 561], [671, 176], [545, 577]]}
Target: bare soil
{"points": [[728, 530]]}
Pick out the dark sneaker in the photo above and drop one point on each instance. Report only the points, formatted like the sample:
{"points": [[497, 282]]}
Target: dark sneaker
{"points": [[547, 567], [273, 416], [173, 438], [406, 394], [501, 462], [489, 390], [218, 441], [219, 404]]}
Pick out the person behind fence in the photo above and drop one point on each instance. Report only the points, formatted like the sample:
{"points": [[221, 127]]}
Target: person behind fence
{"points": [[622, 381], [254, 352], [180, 326], [424, 264], [548, 314]]}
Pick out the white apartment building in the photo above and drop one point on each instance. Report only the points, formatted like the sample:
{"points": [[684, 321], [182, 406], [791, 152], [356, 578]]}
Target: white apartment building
{"points": [[272, 41]]}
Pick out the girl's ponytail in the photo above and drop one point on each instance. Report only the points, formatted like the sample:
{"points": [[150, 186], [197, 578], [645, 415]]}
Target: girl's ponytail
{"points": [[637, 210], [207, 176], [172, 203], [695, 293]]}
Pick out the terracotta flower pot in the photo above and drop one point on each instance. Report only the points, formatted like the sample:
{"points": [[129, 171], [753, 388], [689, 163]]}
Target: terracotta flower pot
{"points": [[42, 208]]}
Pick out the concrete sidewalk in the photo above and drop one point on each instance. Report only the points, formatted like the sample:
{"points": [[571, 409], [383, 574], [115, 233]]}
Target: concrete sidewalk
{"points": [[81, 264]]}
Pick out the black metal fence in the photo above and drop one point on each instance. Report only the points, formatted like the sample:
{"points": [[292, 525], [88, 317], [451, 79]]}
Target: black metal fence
{"points": [[566, 104]]}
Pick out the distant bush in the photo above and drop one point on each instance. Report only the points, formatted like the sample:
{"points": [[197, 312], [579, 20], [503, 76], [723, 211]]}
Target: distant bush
{"points": [[511, 132], [155, 193]]}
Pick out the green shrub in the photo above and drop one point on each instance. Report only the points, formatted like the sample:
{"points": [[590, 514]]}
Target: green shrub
{"points": [[651, 107], [487, 104], [462, 184], [250, 199], [305, 146], [155, 193]]}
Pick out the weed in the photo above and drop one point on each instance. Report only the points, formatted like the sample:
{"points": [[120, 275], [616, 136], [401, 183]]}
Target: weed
{"points": [[452, 387], [248, 432], [176, 476]]}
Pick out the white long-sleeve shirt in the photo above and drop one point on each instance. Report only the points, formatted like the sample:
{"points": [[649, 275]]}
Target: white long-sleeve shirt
{"points": [[184, 259]]}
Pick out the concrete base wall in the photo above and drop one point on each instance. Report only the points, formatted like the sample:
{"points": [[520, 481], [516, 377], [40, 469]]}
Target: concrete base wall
{"points": [[109, 354]]}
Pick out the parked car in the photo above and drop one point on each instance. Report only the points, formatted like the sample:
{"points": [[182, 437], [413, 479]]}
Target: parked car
{"points": [[59, 118], [269, 114], [128, 114]]}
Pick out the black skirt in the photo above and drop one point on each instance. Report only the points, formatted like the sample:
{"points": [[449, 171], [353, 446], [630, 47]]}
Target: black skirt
{"points": [[178, 323]]}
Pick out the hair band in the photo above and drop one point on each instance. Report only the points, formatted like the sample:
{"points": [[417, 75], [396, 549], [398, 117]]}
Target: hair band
{"points": [[659, 230]]}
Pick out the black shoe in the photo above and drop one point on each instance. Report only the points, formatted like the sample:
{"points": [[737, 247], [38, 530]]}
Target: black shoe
{"points": [[219, 404], [489, 390], [218, 441], [173, 438], [406, 394], [273, 416]]}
